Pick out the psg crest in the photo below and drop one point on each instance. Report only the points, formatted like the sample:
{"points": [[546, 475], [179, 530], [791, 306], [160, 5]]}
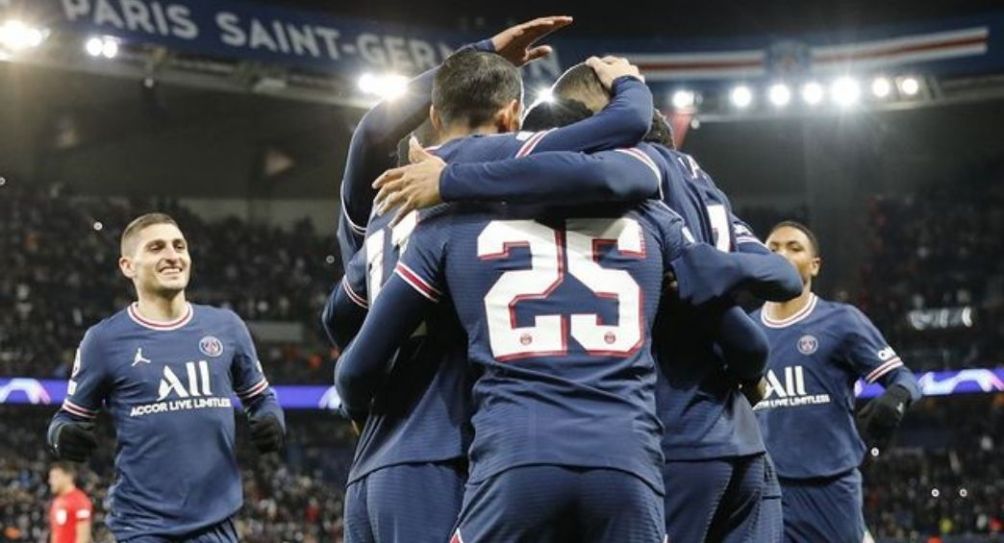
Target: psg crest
{"points": [[210, 346], [807, 344]]}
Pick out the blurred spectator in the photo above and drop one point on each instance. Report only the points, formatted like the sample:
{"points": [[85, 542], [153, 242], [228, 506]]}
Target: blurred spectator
{"points": [[62, 276]]}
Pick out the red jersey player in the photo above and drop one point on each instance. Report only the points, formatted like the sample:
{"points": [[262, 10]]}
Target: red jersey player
{"points": [[70, 512]]}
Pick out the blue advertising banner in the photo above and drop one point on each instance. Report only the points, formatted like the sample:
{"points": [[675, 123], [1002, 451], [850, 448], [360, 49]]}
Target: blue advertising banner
{"points": [[23, 390], [252, 31]]}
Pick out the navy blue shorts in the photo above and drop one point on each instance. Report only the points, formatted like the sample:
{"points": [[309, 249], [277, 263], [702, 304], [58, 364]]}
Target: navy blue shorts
{"points": [[770, 525], [224, 532], [713, 500], [823, 510], [409, 502], [548, 503]]}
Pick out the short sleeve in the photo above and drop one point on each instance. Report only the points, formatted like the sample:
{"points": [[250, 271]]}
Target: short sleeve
{"points": [[82, 508], [423, 261], [87, 388], [248, 377], [868, 353]]}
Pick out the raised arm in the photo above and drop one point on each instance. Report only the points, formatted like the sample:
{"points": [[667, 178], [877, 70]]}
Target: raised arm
{"points": [[374, 142]]}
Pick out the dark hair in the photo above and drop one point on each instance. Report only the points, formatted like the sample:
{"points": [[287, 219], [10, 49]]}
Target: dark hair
{"points": [[65, 467], [141, 222], [471, 86], [580, 82], [660, 131], [555, 114], [804, 229]]}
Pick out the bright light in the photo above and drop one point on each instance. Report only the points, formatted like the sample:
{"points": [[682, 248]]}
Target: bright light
{"points": [[845, 91], [741, 96], [881, 87], [386, 86], [935, 493], [812, 93], [909, 85], [102, 47], [94, 46], [330, 259], [98, 226], [875, 451], [15, 35], [963, 493], [110, 49], [545, 95], [779, 94], [683, 99]]}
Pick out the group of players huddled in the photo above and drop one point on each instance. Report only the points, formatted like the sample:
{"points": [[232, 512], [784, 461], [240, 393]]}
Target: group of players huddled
{"points": [[540, 339]]}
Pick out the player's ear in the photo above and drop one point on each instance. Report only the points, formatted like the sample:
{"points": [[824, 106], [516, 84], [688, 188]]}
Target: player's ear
{"points": [[435, 119], [127, 267], [816, 264], [508, 118]]}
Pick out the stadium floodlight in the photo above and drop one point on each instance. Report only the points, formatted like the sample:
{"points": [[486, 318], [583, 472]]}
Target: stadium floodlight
{"points": [[110, 48], [544, 94], [779, 94], [812, 93], [102, 46], [385, 86], [909, 85], [881, 87], [684, 99], [741, 96], [845, 91], [94, 46], [16, 35]]}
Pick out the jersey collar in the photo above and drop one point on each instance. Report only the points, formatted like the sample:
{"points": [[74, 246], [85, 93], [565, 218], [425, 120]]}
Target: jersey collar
{"points": [[801, 315], [163, 326]]}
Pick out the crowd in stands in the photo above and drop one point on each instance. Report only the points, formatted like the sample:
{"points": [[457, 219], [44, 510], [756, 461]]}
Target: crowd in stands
{"points": [[937, 253], [61, 276], [943, 477], [295, 498]]}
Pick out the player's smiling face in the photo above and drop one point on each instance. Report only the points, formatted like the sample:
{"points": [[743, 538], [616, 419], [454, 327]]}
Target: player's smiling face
{"points": [[160, 263], [795, 246]]}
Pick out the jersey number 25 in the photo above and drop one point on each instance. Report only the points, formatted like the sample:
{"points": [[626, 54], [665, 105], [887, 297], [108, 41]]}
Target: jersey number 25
{"points": [[549, 250]]}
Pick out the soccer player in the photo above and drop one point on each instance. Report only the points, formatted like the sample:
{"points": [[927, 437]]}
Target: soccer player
{"points": [[542, 400], [414, 440], [374, 142], [167, 371], [70, 512], [818, 350], [715, 456]]}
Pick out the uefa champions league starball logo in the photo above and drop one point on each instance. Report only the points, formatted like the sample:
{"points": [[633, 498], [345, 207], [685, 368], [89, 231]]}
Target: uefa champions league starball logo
{"points": [[807, 344], [210, 346]]}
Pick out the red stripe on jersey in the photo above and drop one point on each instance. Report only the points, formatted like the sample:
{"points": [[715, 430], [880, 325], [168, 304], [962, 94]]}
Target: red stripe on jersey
{"points": [[357, 299], [419, 284]]}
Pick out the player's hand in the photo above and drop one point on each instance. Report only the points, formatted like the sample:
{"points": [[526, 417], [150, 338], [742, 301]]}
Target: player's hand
{"points": [[755, 391], [608, 69], [516, 43], [75, 441], [411, 187], [670, 285], [879, 418], [267, 433]]}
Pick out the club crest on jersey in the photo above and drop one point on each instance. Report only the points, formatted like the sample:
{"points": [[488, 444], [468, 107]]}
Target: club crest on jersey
{"points": [[807, 344], [210, 346]]}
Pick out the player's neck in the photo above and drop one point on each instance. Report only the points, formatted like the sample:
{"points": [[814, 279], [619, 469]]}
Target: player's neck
{"points": [[779, 311], [463, 132], [162, 308], [68, 489]]}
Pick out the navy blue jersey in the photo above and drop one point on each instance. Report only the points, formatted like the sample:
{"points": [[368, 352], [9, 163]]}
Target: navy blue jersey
{"points": [[373, 149], [168, 388], [422, 411], [699, 404], [557, 312], [816, 357]]}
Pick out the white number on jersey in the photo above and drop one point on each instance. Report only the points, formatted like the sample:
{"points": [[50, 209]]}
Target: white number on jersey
{"points": [[721, 227], [399, 235], [548, 335]]}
